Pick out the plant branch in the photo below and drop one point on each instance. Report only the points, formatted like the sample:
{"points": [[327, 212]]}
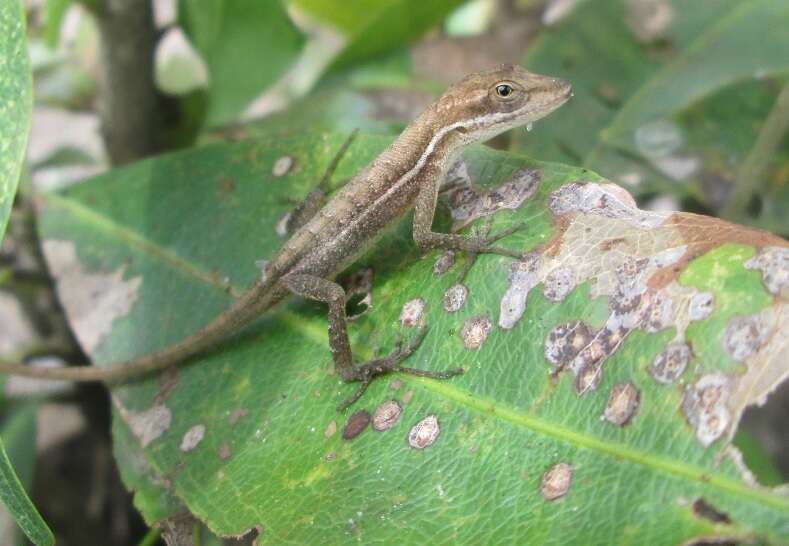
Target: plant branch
{"points": [[752, 172], [129, 101]]}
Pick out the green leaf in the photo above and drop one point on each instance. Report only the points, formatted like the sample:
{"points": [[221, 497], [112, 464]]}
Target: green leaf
{"points": [[19, 432], [606, 70], [248, 437], [373, 28], [15, 103], [247, 45], [56, 9], [735, 48]]}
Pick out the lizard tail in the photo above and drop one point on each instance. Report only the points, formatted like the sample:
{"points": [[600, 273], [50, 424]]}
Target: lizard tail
{"points": [[248, 307]]}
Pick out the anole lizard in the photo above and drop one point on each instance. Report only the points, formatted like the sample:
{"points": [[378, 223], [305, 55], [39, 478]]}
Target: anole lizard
{"points": [[407, 174]]}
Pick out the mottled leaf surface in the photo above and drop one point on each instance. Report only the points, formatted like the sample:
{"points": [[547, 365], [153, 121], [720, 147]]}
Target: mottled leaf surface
{"points": [[15, 103], [605, 371]]}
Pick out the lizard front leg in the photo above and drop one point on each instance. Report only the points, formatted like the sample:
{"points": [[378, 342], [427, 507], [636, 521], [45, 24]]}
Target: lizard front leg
{"points": [[427, 239], [331, 293]]}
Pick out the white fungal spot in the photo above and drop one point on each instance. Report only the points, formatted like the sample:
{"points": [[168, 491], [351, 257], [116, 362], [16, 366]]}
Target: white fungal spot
{"points": [[455, 298], [773, 262], [413, 312], [148, 425], [475, 331], [745, 335], [559, 283], [281, 228], [93, 301], [701, 306], [424, 433], [192, 438], [704, 406], [607, 200], [282, 166], [523, 277]]}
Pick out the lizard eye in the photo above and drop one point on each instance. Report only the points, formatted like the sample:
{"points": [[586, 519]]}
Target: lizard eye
{"points": [[504, 90]]}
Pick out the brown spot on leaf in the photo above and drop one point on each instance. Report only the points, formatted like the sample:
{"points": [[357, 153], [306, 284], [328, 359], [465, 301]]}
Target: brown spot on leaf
{"points": [[704, 233], [565, 341], [705, 510], [424, 433], [444, 263], [467, 205], [225, 185], [608, 244], [356, 424], [224, 451], [386, 415], [671, 363], [236, 415], [622, 404], [704, 406], [556, 481]]}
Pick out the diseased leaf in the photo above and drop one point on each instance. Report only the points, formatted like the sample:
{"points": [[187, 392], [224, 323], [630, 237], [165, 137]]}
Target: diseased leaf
{"points": [[15, 103], [19, 432], [247, 45], [605, 371]]}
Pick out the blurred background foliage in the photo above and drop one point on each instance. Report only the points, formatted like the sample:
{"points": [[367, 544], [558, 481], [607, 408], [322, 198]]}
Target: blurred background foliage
{"points": [[684, 103]]}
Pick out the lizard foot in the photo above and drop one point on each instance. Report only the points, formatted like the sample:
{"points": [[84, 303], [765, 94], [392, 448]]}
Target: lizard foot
{"points": [[367, 372], [483, 244]]}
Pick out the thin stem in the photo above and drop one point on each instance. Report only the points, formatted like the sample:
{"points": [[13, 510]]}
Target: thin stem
{"points": [[150, 537], [751, 174]]}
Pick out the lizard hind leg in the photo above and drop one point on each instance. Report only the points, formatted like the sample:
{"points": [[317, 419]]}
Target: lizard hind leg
{"points": [[331, 293]]}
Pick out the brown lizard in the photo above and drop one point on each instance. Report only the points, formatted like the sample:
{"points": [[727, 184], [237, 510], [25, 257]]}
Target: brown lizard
{"points": [[407, 174]]}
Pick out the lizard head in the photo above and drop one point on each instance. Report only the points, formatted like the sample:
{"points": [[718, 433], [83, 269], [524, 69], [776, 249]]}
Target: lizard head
{"points": [[487, 103]]}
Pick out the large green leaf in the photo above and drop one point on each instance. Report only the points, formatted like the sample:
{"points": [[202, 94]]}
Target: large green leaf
{"points": [[19, 431], [247, 45], [247, 437], [605, 68], [372, 28], [735, 48], [15, 103]]}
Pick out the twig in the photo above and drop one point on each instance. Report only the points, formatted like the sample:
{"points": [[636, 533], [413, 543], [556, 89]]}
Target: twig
{"points": [[751, 174], [129, 101]]}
